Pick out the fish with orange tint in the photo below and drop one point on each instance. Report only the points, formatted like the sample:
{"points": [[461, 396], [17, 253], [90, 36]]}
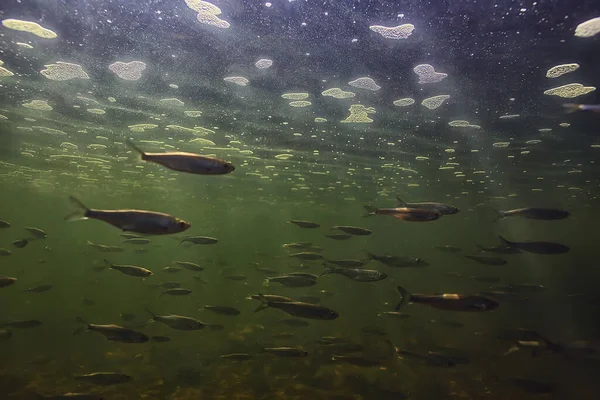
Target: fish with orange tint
{"points": [[146, 222], [186, 162], [405, 213], [448, 302]]}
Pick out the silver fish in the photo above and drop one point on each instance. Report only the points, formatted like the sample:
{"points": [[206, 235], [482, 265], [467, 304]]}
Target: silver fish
{"points": [[178, 322]]}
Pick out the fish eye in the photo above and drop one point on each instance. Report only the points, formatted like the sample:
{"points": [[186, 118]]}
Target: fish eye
{"points": [[417, 260]]}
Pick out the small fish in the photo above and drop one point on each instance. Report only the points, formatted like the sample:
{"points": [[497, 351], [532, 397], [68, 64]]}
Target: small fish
{"points": [[448, 248], [6, 281], [39, 289], [168, 285], [190, 266], [160, 339], [105, 249], [537, 247], [116, 333], [359, 361], [571, 107], [398, 261], [72, 396], [269, 297], [87, 302], [20, 243], [360, 275], [298, 245], [339, 236], [136, 241], [186, 162], [130, 270], [434, 358], [286, 351], [36, 232], [283, 335], [487, 260], [222, 310], [293, 280], [146, 222], [4, 224], [130, 236], [200, 279], [304, 224], [214, 327], [348, 263], [5, 334], [307, 256], [449, 302], [5, 252], [404, 213], [444, 209], [352, 230], [547, 214], [299, 309], [178, 322], [237, 356], [22, 324], [200, 240], [501, 249], [104, 378], [171, 270], [394, 314], [529, 287], [265, 270], [127, 317], [177, 292]]}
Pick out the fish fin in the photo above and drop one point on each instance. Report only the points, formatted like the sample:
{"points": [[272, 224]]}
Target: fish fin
{"points": [[498, 215], [264, 303], [80, 213], [151, 313], [82, 321], [504, 241], [571, 107], [401, 202], [369, 211], [137, 150], [328, 270], [370, 256], [405, 297], [110, 265]]}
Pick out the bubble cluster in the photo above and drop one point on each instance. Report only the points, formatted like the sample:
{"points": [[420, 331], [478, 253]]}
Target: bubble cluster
{"points": [[38, 105], [28, 26], [510, 116], [435, 101], [300, 103], [263, 63], [238, 80], [295, 96], [131, 71], [172, 102], [207, 13], [338, 93], [588, 28], [404, 102], [562, 69], [318, 119], [365, 83], [394, 32], [63, 71], [96, 111], [142, 127], [359, 114], [112, 99], [25, 45], [569, 91], [427, 74], [192, 113], [461, 123]]}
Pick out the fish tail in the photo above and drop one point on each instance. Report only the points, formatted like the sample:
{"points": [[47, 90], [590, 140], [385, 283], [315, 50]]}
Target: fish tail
{"points": [[81, 211], [401, 203], [151, 313], [136, 149], [504, 241], [328, 270], [369, 211], [405, 297], [498, 215], [370, 256], [110, 265], [82, 321], [264, 303], [571, 107]]}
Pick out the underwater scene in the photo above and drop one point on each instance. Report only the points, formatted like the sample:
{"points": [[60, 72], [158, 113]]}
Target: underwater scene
{"points": [[298, 199]]}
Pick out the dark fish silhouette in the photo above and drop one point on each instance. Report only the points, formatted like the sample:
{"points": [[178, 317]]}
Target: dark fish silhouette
{"points": [[449, 302], [547, 214], [537, 247], [487, 260]]}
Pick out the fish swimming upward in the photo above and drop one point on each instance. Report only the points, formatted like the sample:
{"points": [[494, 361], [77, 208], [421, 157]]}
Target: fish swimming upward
{"points": [[146, 222], [186, 162]]}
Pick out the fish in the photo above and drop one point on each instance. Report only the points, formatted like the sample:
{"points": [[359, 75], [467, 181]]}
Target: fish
{"points": [[537, 247], [36, 232], [235, 277], [130, 236], [307, 256], [299, 309], [222, 310], [39, 289], [199, 240], [501, 249], [269, 297], [5, 334], [146, 222], [177, 292], [20, 243], [136, 241], [286, 351], [127, 316], [449, 302], [87, 302], [357, 360], [171, 270], [398, 261], [443, 209], [339, 236], [5, 252], [293, 280], [168, 285], [103, 378], [186, 162], [265, 270], [4, 224], [237, 356], [72, 396], [190, 266], [348, 263], [404, 213], [487, 260], [131, 270], [360, 275], [352, 230], [105, 249], [214, 327], [6, 281], [448, 248], [572, 107], [22, 324], [298, 245], [434, 358], [116, 333], [394, 314], [178, 322], [304, 224], [546, 214], [200, 279], [160, 339]]}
